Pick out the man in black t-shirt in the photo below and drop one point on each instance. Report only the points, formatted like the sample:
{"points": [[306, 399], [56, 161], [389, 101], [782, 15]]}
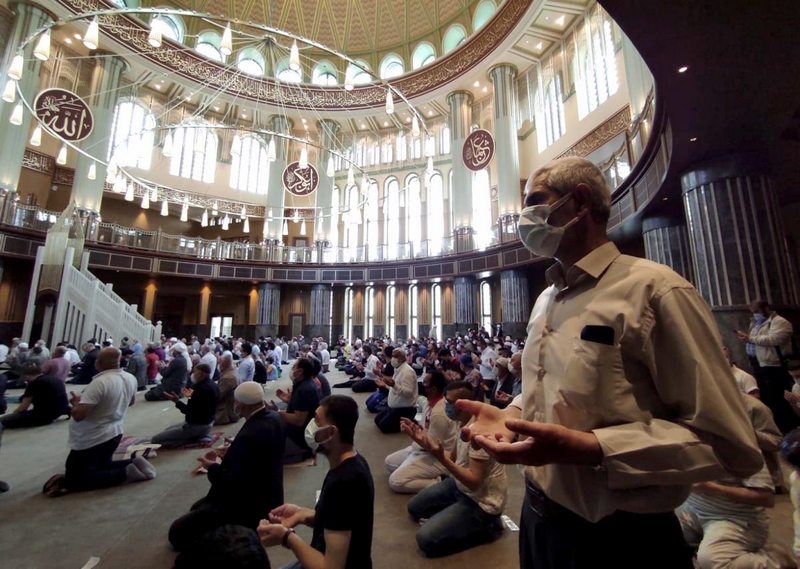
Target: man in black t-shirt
{"points": [[302, 401], [47, 396], [342, 519]]}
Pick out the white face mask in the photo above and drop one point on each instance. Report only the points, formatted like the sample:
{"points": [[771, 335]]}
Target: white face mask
{"points": [[538, 236], [396, 363], [312, 429]]}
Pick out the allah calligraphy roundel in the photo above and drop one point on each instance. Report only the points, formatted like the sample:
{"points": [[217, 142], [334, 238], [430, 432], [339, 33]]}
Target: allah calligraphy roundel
{"points": [[478, 150], [64, 113], [300, 181]]}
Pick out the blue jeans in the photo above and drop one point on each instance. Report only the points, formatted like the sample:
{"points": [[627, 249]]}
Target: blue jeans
{"points": [[455, 521]]}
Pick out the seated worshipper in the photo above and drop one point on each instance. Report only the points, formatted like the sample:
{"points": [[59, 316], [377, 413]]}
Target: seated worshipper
{"points": [[302, 401], [343, 516], [322, 383], [790, 451], [137, 367], [153, 364], [413, 468], [726, 521], [226, 412], [504, 383], [45, 393], [84, 372], [247, 483], [272, 369], [464, 510], [95, 429], [58, 366], [173, 377], [199, 410], [472, 375], [744, 381], [229, 546], [403, 392]]}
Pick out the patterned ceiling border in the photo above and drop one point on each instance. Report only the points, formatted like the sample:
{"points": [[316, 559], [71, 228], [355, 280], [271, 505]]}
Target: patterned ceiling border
{"points": [[133, 33], [598, 137]]}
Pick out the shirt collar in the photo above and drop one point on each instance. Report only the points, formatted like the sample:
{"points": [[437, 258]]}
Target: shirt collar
{"points": [[592, 265]]}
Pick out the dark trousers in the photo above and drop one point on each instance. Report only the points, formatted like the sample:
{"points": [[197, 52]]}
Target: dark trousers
{"points": [[553, 537], [388, 420], [93, 468], [24, 419], [204, 517], [772, 382]]}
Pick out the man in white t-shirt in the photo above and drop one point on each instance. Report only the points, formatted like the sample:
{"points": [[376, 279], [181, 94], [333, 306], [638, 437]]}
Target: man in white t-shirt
{"points": [[403, 393], [95, 430], [208, 358], [744, 381]]}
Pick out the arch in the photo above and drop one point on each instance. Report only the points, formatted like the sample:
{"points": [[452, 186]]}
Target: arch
{"points": [[208, 43], [435, 213], [453, 37], [251, 61], [132, 134], [357, 75], [249, 165], [436, 311], [372, 238], [324, 74], [424, 54], [170, 25], [286, 74], [486, 305], [483, 13], [391, 316], [369, 312], [413, 212], [391, 211], [413, 311], [348, 312], [391, 66]]}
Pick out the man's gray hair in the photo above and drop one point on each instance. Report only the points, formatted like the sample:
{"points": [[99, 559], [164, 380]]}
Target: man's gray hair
{"points": [[226, 355], [562, 175]]}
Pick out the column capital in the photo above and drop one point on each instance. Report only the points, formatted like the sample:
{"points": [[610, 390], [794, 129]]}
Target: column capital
{"points": [[457, 97], [496, 72], [280, 123]]}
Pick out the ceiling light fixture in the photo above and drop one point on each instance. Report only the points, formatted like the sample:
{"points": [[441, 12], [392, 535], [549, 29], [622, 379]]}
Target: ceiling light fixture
{"points": [[42, 49], [10, 92], [16, 115], [683, 69], [226, 45], [61, 159], [36, 136], [146, 199], [92, 173], [15, 69], [164, 208], [129, 192], [92, 38]]}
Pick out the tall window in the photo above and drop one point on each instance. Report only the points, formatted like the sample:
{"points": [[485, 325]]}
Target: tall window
{"points": [[371, 219], [352, 221], [391, 206], [369, 312], [170, 26], [482, 209], [549, 104], [357, 74], [445, 140], [348, 313], [486, 306], [424, 54], [194, 154], [249, 165], [413, 213], [208, 44], [435, 214], [391, 66], [251, 61], [595, 65], [333, 237], [453, 37], [413, 311], [483, 13], [436, 311], [391, 297], [132, 135], [324, 74]]}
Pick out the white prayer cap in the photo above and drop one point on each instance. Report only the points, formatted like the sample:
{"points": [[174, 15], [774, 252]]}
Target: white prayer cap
{"points": [[179, 347], [249, 393]]}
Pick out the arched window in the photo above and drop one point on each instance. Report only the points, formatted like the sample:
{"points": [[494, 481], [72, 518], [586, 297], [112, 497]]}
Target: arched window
{"points": [[208, 45], [413, 311], [132, 135], [435, 214], [436, 311], [285, 74], [550, 121], [445, 140], [324, 74], [482, 209], [333, 237], [453, 37], [357, 75], [391, 66], [371, 219], [424, 54], [352, 221], [194, 154], [595, 66], [413, 213], [170, 26], [249, 165], [391, 207], [369, 312], [483, 13], [391, 320], [251, 61], [486, 306], [348, 313]]}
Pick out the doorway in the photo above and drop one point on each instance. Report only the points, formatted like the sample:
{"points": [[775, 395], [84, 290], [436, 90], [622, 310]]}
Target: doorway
{"points": [[221, 325], [295, 324]]}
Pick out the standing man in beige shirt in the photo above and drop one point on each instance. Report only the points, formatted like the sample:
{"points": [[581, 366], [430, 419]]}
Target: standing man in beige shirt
{"points": [[627, 399]]}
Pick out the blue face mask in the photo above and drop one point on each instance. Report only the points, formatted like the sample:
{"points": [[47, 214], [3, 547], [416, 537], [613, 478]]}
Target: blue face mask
{"points": [[450, 410], [759, 318]]}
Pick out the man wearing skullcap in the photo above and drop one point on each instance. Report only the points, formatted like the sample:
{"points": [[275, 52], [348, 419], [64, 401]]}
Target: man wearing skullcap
{"points": [[248, 480]]}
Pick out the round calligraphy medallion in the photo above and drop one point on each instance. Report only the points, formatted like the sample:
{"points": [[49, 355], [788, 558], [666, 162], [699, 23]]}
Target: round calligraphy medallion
{"points": [[478, 150], [64, 113], [300, 181]]}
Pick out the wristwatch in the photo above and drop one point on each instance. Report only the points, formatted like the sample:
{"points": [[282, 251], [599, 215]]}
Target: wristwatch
{"points": [[285, 538]]}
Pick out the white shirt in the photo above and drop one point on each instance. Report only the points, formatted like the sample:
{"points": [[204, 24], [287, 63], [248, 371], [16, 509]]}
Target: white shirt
{"points": [[72, 356], [404, 392], [491, 495], [657, 398], [369, 366], [3, 353], [211, 361], [774, 332], [111, 392], [246, 369], [488, 357], [744, 381]]}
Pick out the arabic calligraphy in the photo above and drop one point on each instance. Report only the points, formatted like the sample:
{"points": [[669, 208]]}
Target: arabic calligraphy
{"points": [[64, 113], [300, 181], [478, 150]]}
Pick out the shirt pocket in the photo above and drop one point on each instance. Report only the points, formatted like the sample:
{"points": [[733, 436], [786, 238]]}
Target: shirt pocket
{"points": [[594, 391]]}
